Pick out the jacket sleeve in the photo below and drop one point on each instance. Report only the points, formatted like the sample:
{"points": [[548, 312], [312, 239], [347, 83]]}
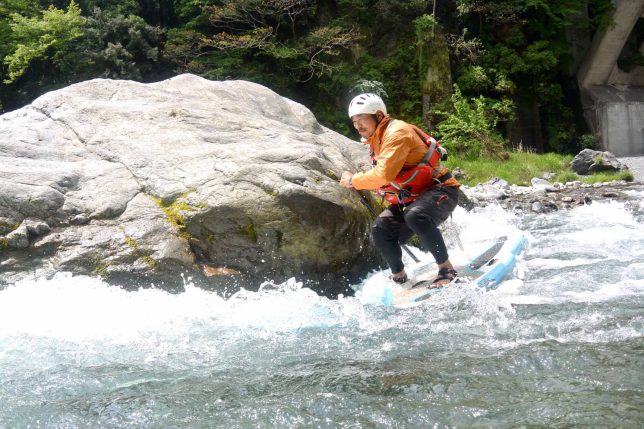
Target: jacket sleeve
{"points": [[391, 159]]}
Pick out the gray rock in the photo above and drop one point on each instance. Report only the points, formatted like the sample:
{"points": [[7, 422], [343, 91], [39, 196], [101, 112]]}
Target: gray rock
{"points": [[18, 238], [494, 190], [542, 184], [533, 199], [36, 227], [79, 219], [459, 173], [7, 225], [589, 161], [139, 183], [497, 181], [550, 206]]}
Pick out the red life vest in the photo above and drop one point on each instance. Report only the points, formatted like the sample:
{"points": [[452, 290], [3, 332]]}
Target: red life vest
{"points": [[409, 183]]}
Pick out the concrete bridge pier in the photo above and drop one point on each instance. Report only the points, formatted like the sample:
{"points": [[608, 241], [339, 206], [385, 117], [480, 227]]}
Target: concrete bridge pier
{"points": [[613, 99]]}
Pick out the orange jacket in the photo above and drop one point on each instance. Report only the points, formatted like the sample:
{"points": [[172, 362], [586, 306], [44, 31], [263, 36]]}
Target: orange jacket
{"points": [[395, 146]]}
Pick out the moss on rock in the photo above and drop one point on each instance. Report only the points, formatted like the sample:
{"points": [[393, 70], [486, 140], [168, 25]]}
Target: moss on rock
{"points": [[251, 233], [175, 212], [150, 261]]}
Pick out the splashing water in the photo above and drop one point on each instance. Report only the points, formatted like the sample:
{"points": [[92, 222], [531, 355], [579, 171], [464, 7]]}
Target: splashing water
{"points": [[558, 344]]}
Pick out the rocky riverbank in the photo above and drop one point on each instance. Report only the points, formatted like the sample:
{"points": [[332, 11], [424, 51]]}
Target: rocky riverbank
{"points": [[544, 197]]}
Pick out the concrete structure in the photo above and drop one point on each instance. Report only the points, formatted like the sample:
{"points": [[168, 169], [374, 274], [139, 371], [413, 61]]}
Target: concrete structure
{"points": [[613, 99]]}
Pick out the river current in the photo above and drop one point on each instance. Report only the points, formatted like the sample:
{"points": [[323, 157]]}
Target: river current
{"points": [[559, 344]]}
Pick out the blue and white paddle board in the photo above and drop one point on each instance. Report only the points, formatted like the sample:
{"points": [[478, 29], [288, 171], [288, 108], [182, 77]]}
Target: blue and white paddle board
{"points": [[487, 269]]}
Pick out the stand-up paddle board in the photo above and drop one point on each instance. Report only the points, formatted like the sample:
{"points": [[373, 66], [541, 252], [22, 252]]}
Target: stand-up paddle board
{"points": [[487, 269]]}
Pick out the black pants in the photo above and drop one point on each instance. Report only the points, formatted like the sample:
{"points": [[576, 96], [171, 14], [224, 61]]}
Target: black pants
{"points": [[398, 223]]}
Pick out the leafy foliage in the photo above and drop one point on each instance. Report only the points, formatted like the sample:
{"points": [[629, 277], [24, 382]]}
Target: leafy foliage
{"points": [[47, 36], [281, 32], [527, 45], [372, 86], [56, 47], [9, 8], [119, 46], [512, 60], [470, 130]]}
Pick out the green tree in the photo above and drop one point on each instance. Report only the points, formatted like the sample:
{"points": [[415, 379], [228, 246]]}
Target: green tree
{"points": [[433, 67], [122, 47], [7, 44], [52, 48], [528, 59], [47, 37], [279, 32], [7, 9], [511, 59]]}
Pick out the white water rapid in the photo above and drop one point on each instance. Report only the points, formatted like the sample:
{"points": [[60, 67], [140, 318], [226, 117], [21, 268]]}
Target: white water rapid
{"points": [[557, 345]]}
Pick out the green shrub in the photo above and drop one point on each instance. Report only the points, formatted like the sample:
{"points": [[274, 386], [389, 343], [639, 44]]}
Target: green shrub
{"points": [[469, 130], [588, 141]]}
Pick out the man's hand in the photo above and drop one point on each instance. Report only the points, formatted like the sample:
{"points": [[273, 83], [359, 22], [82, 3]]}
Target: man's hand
{"points": [[345, 180]]}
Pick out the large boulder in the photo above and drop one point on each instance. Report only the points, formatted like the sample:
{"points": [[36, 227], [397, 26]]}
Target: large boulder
{"points": [[590, 161], [226, 183]]}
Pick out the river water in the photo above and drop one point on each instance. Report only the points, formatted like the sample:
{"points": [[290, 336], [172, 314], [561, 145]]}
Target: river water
{"points": [[560, 344]]}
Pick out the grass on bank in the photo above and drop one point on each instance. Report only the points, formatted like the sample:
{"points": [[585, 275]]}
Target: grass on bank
{"points": [[521, 167]]}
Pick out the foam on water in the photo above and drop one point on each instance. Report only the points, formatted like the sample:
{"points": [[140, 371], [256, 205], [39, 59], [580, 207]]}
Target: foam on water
{"points": [[79, 308], [577, 286]]}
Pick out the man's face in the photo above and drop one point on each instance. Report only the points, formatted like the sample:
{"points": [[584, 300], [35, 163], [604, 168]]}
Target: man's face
{"points": [[365, 124]]}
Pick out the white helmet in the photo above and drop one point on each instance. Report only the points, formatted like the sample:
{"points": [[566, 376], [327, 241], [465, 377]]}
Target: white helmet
{"points": [[366, 103]]}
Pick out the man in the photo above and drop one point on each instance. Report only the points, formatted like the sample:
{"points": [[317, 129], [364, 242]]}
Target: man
{"points": [[397, 149]]}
